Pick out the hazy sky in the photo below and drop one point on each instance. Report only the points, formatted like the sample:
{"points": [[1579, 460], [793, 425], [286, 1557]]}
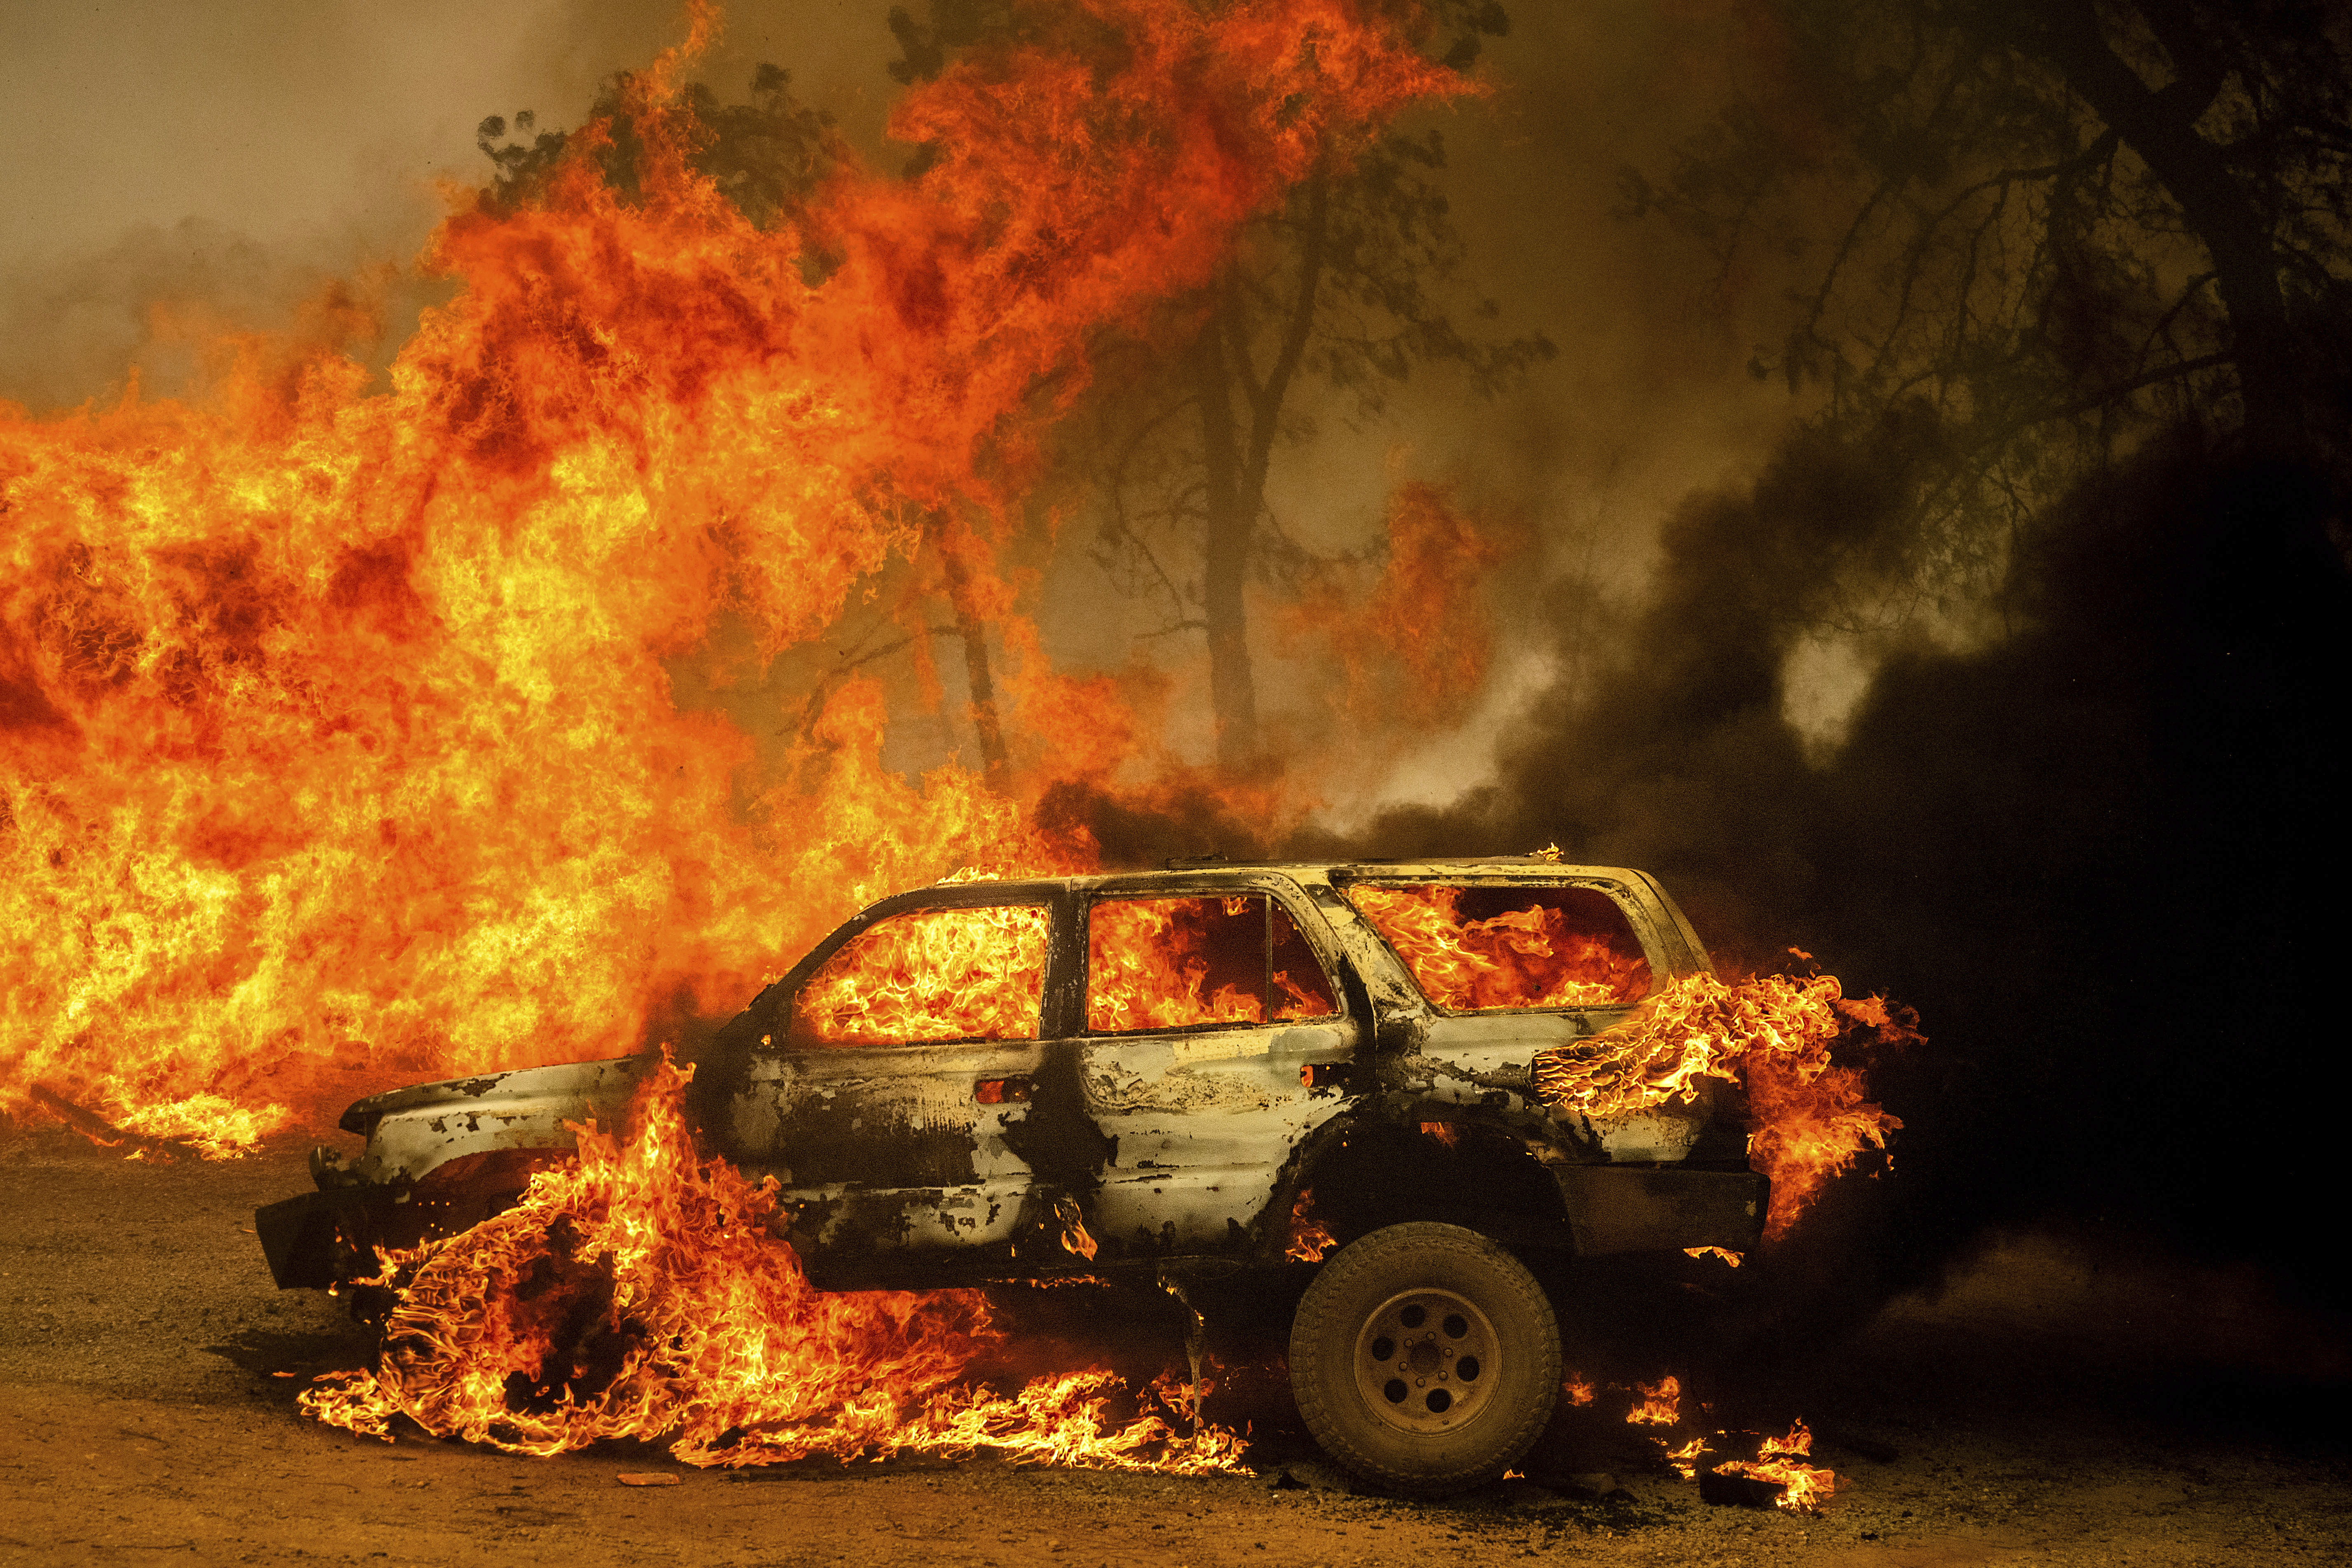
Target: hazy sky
{"points": [[283, 118]]}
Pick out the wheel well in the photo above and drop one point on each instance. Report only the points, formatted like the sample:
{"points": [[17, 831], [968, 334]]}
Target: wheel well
{"points": [[1459, 1173]]}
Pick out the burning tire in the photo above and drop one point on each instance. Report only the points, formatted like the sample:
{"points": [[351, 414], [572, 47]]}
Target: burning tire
{"points": [[1425, 1358]]}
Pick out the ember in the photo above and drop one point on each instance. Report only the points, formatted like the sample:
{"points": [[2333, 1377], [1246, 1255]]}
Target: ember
{"points": [[637, 1292]]}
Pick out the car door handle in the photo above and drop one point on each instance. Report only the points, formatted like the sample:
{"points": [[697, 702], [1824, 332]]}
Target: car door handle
{"points": [[1003, 1091]]}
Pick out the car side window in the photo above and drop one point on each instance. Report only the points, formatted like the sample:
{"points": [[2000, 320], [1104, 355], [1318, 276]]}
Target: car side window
{"points": [[958, 973], [1174, 964], [1477, 949]]}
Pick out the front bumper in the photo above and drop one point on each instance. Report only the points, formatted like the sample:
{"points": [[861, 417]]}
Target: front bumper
{"points": [[325, 1238]]}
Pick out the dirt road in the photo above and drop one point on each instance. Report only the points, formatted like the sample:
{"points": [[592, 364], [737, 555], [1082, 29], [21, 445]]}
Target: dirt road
{"points": [[2045, 1409]]}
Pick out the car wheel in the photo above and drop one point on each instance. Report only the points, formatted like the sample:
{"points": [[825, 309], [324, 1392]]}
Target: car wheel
{"points": [[1425, 1358]]}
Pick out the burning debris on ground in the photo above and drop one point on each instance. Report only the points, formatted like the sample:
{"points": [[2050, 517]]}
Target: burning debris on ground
{"points": [[2025, 1419]]}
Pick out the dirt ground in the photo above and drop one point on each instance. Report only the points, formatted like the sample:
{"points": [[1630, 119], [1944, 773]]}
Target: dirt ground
{"points": [[2046, 1408]]}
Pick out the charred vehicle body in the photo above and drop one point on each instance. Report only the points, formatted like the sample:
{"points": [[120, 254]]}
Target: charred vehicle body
{"points": [[1213, 1070]]}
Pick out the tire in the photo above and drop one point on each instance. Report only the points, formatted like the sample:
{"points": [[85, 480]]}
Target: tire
{"points": [[1424, 1358]]}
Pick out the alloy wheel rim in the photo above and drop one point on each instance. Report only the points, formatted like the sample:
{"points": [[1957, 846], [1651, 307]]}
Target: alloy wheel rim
{"points": [[1425, 1360]]}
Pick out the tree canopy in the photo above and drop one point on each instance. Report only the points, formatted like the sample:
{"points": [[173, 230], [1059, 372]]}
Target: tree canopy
{"points": [[2028, 233]]}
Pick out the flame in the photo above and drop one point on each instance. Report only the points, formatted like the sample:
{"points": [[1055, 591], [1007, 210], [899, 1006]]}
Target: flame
{"points": [[1077, 1240], [1417, 644], [1685, 1459], [206, 1124], [216, 1127], [338, 729], [1729, 1256], [1147, 960], [1810, 1118], [1310, 1238], [1782, 1459], [1150, 960], [638, 1292], [931, 974], [1661, 1403], [1526, 957]]}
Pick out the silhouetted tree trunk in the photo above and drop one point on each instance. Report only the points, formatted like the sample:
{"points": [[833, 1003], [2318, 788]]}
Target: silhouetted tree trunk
{"points": [[1234, 457], [973, 628]]}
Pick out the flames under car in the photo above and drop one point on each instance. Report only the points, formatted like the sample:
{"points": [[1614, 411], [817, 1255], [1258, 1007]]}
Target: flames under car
{"points": [[1218, 1067]]}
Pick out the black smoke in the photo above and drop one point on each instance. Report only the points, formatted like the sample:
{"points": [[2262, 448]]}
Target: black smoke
{"points": [[2099, 849]]}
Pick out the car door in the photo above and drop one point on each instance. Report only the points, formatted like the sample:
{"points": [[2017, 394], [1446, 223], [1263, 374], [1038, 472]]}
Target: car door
{"points": [[1205, 1014], [888, 1097], [1514, 965]]}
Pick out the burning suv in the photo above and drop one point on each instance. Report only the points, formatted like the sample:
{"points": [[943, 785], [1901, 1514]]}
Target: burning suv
{"points": [[1162, 1075]]}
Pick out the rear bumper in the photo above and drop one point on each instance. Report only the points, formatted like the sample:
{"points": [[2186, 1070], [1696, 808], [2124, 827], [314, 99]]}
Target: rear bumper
{"points": [[1640, 1208]]}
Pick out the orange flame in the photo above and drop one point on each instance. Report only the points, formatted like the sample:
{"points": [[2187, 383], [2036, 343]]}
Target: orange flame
{"points": [[1077, 1240], [1661, 1403], [337, 727], [1685, 1459], [931, 974], [1577, 1390], [1147, 960], [1782, 1459], [1520, 958], [1419, 642], [638, 1292], [1810, 1117], [1310, 1238], [1729, 1256]]}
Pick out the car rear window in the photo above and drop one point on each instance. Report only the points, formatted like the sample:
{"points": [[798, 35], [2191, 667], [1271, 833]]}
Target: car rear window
{"points": [[1172, 964], [930, 975], [1479, 949]]}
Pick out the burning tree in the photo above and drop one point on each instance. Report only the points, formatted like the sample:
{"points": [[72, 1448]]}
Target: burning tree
{"points": [[336, 728], [1341, 283]]}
